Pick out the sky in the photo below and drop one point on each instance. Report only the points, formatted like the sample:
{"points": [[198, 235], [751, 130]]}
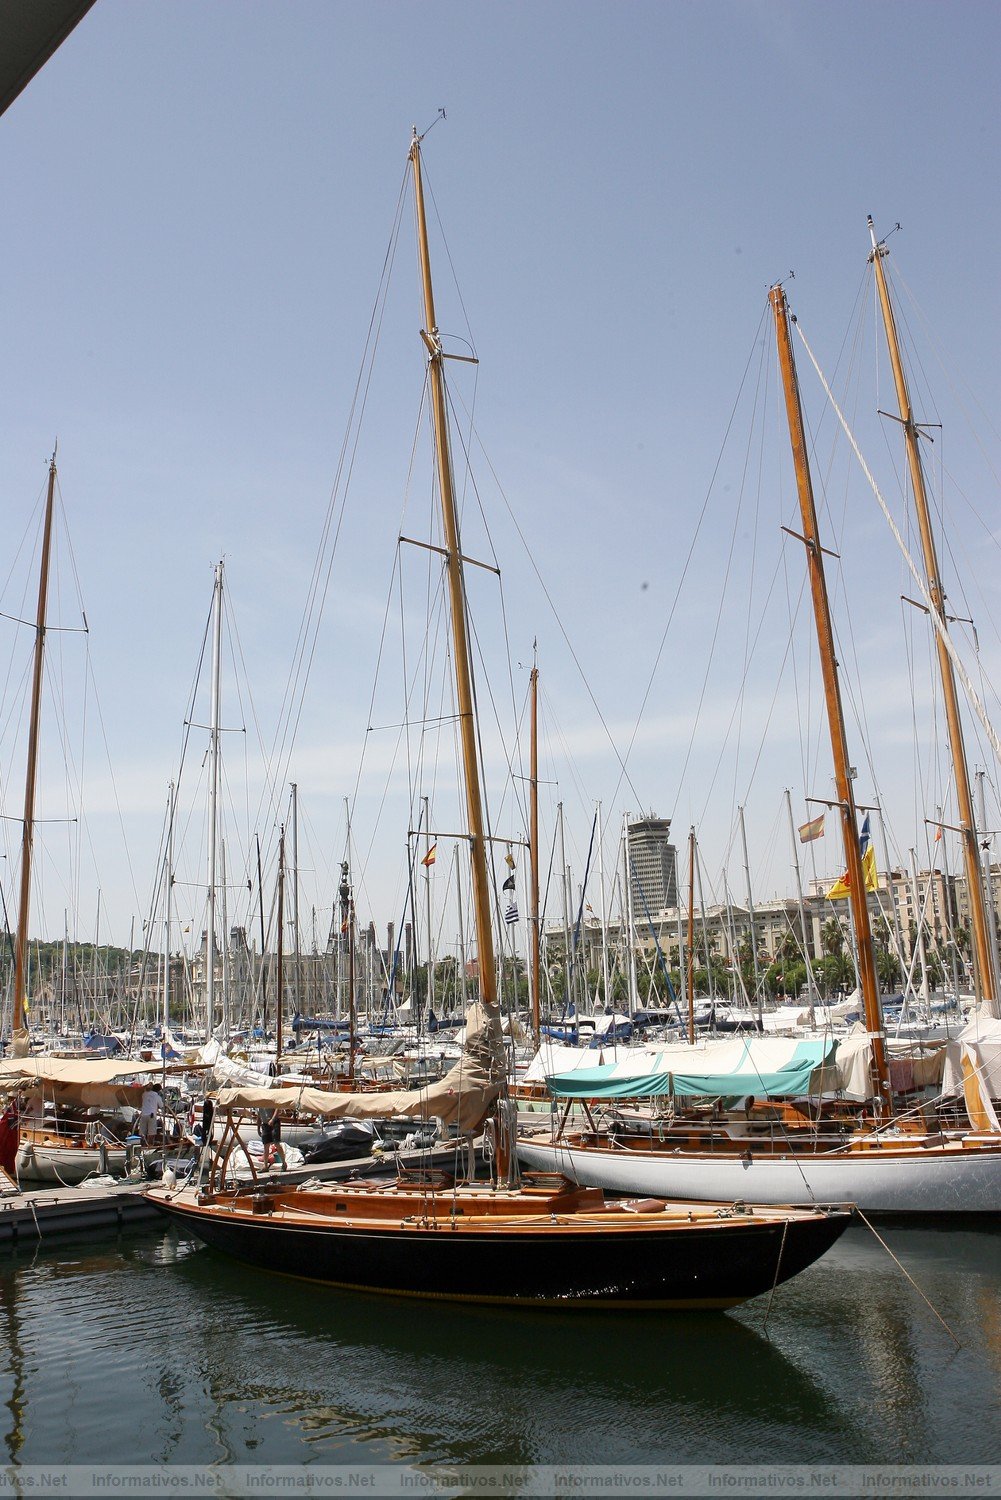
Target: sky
{"points": [[200, 201]]}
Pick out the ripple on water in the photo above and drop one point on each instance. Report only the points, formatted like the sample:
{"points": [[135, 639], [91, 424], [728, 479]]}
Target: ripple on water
{"points": [[153, 1349]]}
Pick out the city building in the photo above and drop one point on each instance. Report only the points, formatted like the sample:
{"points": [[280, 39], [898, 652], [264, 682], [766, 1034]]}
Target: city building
{"points": [[653, 867]]}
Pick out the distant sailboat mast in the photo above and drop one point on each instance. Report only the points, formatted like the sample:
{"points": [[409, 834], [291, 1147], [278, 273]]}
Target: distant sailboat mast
{"points": [[533, 861], [986, 976], [214, 745]]}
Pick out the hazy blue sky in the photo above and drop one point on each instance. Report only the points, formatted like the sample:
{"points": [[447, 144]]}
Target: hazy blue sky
{"points": [[198, 203]]}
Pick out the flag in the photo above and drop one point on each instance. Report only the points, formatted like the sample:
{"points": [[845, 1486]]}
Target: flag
{"points": [[430, 856], [840, 889], [511, 915], [509, 860], [508, 884], [812, 830], [938, 833]]}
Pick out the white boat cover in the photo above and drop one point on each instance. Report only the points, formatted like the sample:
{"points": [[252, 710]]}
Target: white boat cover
{"points": [[229, 1071], [973, 1068]]}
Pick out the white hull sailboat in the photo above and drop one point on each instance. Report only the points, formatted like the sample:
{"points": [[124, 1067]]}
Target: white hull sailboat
{"points": [[950, 1176], [883, 1166]]}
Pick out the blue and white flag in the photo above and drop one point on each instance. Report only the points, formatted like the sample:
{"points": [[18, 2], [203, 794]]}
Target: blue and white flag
{"points": [[511, 914]]}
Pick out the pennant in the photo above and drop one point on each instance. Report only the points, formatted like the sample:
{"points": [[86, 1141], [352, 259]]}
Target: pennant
{"points": [[841, 888], [430, 856], [938, 833], [511, 915], [812, 830], [508, 884]]}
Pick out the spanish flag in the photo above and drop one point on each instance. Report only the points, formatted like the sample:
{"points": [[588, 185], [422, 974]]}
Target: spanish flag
{"points": [[812, 830], [841, 888], [430, 856]]}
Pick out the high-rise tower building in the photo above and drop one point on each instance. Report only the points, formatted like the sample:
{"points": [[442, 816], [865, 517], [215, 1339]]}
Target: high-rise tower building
{"points": [[653, 866]]}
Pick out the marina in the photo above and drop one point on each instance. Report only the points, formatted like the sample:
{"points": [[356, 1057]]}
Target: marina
{"points": [[396, 1099]]}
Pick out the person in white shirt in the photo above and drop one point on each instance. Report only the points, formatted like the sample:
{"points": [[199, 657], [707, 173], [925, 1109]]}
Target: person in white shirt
{"points": [[149, 1114]]}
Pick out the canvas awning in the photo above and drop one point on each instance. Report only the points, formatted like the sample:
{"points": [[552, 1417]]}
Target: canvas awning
{"points": [[763, 1067], [99, 1082]]}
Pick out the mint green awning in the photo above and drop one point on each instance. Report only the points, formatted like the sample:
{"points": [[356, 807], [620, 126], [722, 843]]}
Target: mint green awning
{"points": [[613, 1082]]}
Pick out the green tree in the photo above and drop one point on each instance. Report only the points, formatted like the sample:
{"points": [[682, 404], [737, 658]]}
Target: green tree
{"points": [[832, 939]]}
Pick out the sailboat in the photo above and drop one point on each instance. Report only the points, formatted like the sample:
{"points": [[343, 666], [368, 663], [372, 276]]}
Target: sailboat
{"points": [[544, 1242], [883, 1164], [69, 1121]]}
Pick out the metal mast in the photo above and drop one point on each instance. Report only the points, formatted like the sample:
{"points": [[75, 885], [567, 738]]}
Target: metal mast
{"points": [[214, 746], [533, 859]]}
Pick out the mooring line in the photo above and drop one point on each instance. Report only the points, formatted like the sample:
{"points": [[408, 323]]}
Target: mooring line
{"points": [[910, 1278]]}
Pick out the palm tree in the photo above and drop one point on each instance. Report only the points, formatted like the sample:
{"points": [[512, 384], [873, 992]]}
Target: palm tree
{"points": [[832, 939]]}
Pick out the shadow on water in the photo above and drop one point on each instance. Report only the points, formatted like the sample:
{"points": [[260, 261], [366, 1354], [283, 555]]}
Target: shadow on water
{"points": [[160, 1350]]}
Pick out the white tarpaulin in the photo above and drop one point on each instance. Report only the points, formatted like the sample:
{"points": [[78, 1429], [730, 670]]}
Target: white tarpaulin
{"points": [[977, 1048]]}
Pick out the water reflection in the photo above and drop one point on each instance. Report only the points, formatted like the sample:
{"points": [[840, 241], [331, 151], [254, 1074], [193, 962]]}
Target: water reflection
{"points": [[154, 1349], [400, 1374]]}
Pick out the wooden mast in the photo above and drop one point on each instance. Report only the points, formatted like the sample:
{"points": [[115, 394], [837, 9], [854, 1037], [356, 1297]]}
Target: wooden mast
{"points": [[457, 604], [533, 859], [19, 1034], [986, 976], [855, 875]]}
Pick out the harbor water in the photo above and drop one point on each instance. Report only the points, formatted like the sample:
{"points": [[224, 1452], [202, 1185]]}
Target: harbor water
{"points": [[147, 1348]]}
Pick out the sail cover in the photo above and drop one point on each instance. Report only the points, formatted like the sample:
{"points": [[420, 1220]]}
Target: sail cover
{"points": [[462, 1098], [753, 1066]]}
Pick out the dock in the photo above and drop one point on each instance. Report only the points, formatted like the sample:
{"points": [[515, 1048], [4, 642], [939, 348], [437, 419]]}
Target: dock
{"points": [[30, 1215], [38, 1213]]}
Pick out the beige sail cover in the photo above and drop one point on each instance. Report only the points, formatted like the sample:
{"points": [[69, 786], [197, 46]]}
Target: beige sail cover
{"points": [[462, 1098], [99, 1083]]}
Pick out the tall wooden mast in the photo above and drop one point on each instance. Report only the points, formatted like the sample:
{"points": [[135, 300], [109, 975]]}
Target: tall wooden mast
{"points": [[986, 977], [457, 603], [19, 1038], [855, 875]]}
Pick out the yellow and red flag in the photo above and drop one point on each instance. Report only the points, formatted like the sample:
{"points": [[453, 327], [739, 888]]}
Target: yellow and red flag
{"points": [[812, 830], [841, 888]]}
